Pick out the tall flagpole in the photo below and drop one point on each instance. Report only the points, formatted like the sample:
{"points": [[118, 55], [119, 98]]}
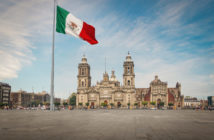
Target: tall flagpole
{"points": [[52, 66]]}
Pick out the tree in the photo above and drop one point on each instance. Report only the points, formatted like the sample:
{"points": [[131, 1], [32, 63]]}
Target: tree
{"points": [[136, 105], [46, 103], [161, 104], [144, 103], [104, 104], [170, 104], [37, 102], [72, 100], [56, 104], [128, 105], [80, 104], [33, 103], [152, 103], [65, 104], [87, 104], [112, 104]]}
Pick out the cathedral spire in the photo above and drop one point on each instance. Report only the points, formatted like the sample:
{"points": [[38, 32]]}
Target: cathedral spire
{"points": [[128, 57], [128, 74], [84, 78]]}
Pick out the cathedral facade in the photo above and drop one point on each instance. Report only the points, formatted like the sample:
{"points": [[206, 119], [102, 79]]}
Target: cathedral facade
{"points": [[109, 91]]}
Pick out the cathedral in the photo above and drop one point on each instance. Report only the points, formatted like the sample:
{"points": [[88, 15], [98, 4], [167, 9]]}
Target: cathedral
{"points": [[109, 91]]}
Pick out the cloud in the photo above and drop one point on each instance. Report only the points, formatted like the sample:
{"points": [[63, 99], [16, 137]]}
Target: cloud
{"points": [[211, 76], [20, 23]]}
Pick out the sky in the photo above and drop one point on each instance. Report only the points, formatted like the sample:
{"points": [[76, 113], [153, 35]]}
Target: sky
{"points": [[171, 39]]}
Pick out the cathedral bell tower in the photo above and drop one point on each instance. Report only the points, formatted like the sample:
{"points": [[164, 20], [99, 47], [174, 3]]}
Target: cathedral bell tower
{"points": [[128, 74], [84, 78]]}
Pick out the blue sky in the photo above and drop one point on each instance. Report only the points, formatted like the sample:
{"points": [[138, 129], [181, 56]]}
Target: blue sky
{"points": [[171, 39]]}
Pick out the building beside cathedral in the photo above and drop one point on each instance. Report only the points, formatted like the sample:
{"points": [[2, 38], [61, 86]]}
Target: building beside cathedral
{"points": [[109, 91]]}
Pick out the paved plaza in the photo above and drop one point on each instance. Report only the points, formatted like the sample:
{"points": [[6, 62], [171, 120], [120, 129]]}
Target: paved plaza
{"points": [[106, 125]]}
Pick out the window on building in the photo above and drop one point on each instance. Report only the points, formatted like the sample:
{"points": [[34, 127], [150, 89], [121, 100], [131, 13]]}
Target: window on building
{"points": [[82, 83], [128, 82], [83, 72], [128, 70]]}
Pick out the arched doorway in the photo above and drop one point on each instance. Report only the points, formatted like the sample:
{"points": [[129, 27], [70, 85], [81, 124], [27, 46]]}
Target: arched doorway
{"points": [[118, 104], [179, 104], [92, 105], [105, 103], [159, 103]]}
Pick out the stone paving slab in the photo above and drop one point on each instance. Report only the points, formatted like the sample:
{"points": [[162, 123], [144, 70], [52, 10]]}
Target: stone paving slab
{"points": [[106, 125]]}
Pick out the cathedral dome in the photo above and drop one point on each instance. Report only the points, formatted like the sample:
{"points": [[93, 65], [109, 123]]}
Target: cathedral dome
{"points": [[128, 57], [113, 77], [84, 59]]}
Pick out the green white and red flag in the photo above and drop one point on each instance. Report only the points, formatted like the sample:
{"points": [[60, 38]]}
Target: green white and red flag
{"points": [[67, 23]]}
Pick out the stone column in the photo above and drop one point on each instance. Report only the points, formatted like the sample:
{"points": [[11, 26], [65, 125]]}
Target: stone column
{"points": [[98, 100], [77, 100], [112, 97]]}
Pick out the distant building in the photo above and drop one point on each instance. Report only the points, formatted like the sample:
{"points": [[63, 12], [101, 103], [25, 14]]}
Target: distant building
{"points": [[5, 93], [46, 98], [21, 98], [210, 100], [191, 102], [25, 99], [43, 96], [57, 100], [204, 103]]}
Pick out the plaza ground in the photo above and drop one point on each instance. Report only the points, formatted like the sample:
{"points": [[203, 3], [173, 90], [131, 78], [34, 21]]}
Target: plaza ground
{"points": [[106, 125]]}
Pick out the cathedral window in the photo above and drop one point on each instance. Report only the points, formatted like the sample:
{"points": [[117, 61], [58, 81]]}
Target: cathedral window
{"points": [[128, 82], [128, 70], [83, 72], [82, 84]]}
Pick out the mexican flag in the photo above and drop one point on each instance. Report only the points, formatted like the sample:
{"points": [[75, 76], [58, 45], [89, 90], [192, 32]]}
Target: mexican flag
{"points": [[66, 23]]}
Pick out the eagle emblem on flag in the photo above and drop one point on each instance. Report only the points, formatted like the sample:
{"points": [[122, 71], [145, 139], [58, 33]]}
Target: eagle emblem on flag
{"points": [[72, 25]]}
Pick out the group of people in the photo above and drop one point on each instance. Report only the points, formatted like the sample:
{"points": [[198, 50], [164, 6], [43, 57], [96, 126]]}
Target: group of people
{"points": [[6, 107]]}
